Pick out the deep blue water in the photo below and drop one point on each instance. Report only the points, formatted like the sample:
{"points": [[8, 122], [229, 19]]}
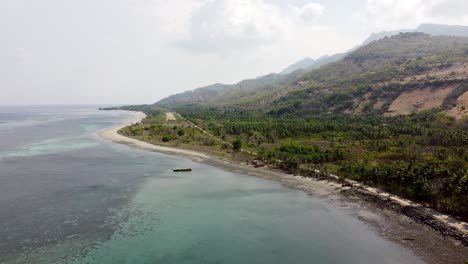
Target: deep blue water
{"points": [[67, 196]]}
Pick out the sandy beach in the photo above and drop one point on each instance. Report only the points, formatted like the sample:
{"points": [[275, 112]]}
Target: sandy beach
{"points": [[113, 135], [431, 245]]}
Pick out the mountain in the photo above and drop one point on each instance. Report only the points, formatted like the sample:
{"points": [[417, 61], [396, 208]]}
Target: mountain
{"points": [[402, 74], [217, 93], [310, 64], [302, 64], [327, 59], [259, 87], [431, 29], [264, 92], [443, 30], [406, 73]]}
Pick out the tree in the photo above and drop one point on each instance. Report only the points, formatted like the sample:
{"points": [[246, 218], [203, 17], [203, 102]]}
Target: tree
{"points": [[181, 132], [237, 144]]}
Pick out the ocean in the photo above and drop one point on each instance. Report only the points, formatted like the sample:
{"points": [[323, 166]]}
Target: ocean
{"points": [[68, 196]]}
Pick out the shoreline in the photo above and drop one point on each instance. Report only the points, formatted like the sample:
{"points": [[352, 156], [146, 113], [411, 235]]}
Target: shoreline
{"points": [[298, 182], [392, 217], [113, 135]]}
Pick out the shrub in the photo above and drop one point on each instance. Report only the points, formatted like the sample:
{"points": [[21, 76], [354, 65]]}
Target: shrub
{"points": [[225, 146], [166, 138], [237, 144], [209, 142], [181, 132]]}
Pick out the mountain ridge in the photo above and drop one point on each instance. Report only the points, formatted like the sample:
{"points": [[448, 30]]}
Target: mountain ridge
{"points": [[432, 29], [371, 79], [270, 83], [302, 64]]}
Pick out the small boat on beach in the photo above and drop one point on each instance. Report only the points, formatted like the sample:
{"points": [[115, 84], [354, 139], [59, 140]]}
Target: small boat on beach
{"points": [[182, 170]]}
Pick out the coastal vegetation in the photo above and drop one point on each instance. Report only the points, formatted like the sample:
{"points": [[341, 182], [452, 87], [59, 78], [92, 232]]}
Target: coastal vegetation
{"points": [[422, 156]]}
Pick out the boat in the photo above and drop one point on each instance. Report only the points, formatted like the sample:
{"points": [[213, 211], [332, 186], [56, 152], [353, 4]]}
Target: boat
{"points": [[182, 170]]}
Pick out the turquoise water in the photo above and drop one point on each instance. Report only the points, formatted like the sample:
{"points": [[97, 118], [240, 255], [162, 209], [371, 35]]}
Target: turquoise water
{"points": [[68, 197]]}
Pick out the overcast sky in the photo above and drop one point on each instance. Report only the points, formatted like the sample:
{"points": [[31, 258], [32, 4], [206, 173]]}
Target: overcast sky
{"points": [[139, 51]]}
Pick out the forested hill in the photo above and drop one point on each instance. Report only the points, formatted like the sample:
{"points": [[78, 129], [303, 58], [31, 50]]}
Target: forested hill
{"points": [[402, 74]]}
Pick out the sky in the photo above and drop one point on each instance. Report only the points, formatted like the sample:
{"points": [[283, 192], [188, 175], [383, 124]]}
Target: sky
{"points": [[140, 51]]}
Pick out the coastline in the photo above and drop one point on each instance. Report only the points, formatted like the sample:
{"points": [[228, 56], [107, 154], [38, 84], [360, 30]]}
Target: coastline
{"points": [[298, 182], [113, 135], [384, 212]]}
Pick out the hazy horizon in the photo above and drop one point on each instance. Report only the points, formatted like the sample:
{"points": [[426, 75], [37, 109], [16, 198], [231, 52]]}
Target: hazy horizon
{"points": [[136, 52]]}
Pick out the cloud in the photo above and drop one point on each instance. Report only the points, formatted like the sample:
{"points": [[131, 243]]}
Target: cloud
{"points": [[17, 56], [311, 11], [397, 14], [222, 26], [454, 9], [171, 18]]}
